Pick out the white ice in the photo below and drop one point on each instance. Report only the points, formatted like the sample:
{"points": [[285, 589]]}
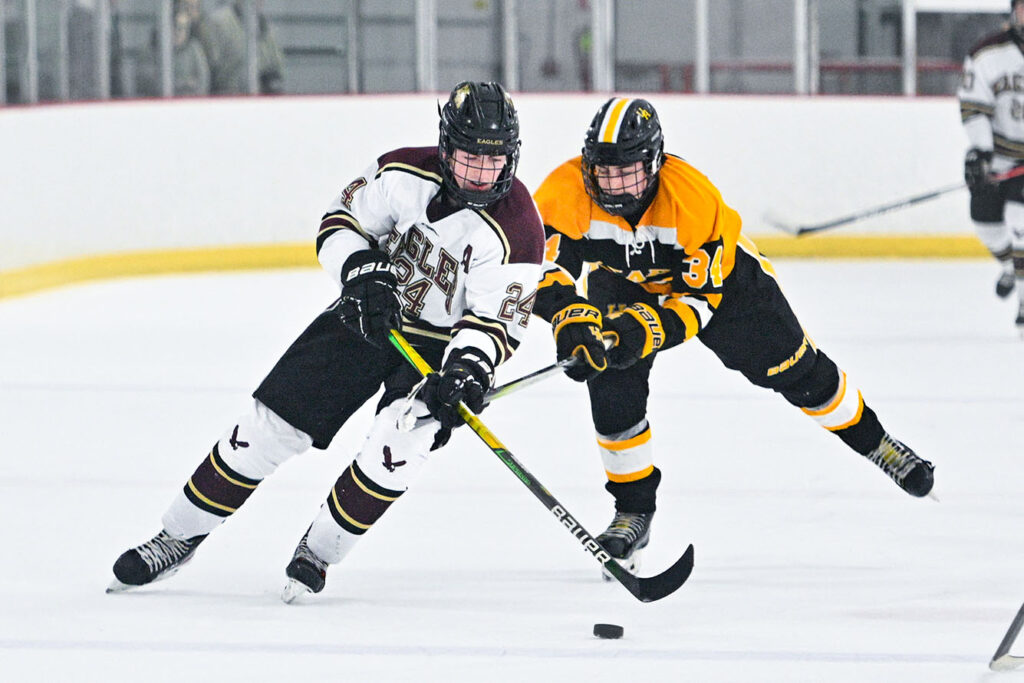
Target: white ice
{"points": [[810, 564]]}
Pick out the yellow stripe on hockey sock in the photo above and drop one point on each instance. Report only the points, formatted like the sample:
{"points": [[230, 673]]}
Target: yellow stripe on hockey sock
{"points": [[853, 420], [225, 508], [368, 492], [641, 438], [634, 476], [337, 507], [221, 472]]}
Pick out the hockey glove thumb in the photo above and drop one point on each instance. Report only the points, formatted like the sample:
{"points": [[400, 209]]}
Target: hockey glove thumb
{"points": [[636, 332], [977, 167], [577, 329], [369, 301], [465, 378]]}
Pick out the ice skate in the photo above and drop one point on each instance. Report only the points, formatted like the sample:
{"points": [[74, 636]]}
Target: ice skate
{"points": [[625, 537], [306, 573], [156, 559], [1005, 284], [906, 468]]}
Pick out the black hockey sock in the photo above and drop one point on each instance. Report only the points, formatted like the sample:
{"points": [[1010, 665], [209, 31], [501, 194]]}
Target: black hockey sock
{"points": [[636, 496]]}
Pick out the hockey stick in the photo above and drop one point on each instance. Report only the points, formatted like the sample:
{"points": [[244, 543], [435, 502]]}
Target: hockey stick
{"points": [[406, 421], [799, 230], [534, 377], [643, 589], [1002, 660]]}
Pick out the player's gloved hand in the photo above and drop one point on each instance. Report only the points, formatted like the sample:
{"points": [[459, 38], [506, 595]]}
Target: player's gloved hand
{"points": [[369, 295], [465, 378], [577, 329], [636, 332], [977, 168]]}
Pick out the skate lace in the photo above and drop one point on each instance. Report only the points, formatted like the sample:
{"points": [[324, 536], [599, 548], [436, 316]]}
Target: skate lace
{"points": [[302, 552], [627, 525], [894, 458], [164, 551]]}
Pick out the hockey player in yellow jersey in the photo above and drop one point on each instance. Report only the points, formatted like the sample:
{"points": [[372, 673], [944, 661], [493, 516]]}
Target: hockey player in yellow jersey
{"points": [[672, 264]]}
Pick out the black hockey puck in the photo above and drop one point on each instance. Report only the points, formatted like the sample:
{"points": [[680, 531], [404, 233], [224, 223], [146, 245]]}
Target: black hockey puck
{"points": [[608, 630]]}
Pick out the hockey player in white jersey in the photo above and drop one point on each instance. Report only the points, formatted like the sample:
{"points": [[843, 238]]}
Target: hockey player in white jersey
{"points": [[992, 109], [443, 242]]}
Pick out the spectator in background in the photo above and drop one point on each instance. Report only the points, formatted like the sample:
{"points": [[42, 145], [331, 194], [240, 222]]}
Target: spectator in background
{"points": [[225, 45], [190, 67]]}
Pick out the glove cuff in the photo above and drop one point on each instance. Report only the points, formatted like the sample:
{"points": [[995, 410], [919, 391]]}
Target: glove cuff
{"points": [[650, 321], [368, 264], [474, 360]]}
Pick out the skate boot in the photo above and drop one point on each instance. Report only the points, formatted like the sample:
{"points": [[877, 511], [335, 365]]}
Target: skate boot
{"points": [[156, 559], [306, 573], [910, 472], [1005, 284], [625, 537]]}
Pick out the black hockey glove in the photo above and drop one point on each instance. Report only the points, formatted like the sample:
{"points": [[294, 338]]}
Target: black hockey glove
{"points": [[466, 376], [369, 301], [637, 333], [977, 168], [577, 329]]}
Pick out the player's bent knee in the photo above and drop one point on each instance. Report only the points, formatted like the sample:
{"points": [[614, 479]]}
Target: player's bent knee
{"points": [[816, 386], [260, 441], [391, 457], [987, 206]]}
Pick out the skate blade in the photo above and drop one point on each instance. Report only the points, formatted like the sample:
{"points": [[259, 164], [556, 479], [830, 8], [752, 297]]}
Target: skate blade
{"points": [[293, 591], [631, 565], [118, 587], [1006, 663]]}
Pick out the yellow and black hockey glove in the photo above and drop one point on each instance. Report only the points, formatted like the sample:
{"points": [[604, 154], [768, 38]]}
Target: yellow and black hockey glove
{"points": [[577, 329], [637, 332]]}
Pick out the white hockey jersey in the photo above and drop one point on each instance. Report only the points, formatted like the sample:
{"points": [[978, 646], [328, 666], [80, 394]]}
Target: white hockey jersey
{"points": [[466, 276], [991, 97]]}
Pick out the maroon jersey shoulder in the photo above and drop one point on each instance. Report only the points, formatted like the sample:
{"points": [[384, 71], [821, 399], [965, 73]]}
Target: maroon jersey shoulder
{"points": [[993, 39], [517, 216], [423, 158]]}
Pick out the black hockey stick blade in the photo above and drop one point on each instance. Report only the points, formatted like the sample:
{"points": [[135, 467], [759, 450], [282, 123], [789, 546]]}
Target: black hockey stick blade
{"points": [[1002, 660], [651, 588]]}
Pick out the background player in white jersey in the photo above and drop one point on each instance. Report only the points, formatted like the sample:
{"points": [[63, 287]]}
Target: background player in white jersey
{"points": [[992, 108], [443, 242]]}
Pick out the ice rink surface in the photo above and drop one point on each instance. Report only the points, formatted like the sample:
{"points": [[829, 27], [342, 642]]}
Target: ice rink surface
{"points": [[810, 564]]}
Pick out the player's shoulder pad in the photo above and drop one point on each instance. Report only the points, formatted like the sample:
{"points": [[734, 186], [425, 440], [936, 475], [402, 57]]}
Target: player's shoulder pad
{"points": [[515, 220], [680, 178], [999, 39], [563, 201], [423, 162]]}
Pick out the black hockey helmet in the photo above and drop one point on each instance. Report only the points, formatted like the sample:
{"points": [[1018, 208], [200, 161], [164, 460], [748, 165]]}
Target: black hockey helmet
{"points": [[479, 118], [623, 132]]}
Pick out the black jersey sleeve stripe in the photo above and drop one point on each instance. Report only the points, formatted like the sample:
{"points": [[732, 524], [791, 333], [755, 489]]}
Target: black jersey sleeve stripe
{"points": [[336, 222], [504, 345]]}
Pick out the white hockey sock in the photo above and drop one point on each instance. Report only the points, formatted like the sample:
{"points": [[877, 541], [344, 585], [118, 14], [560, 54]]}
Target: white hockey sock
{"points": [[996, 238], [628, 455], [248, 452], [381, 472]]}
